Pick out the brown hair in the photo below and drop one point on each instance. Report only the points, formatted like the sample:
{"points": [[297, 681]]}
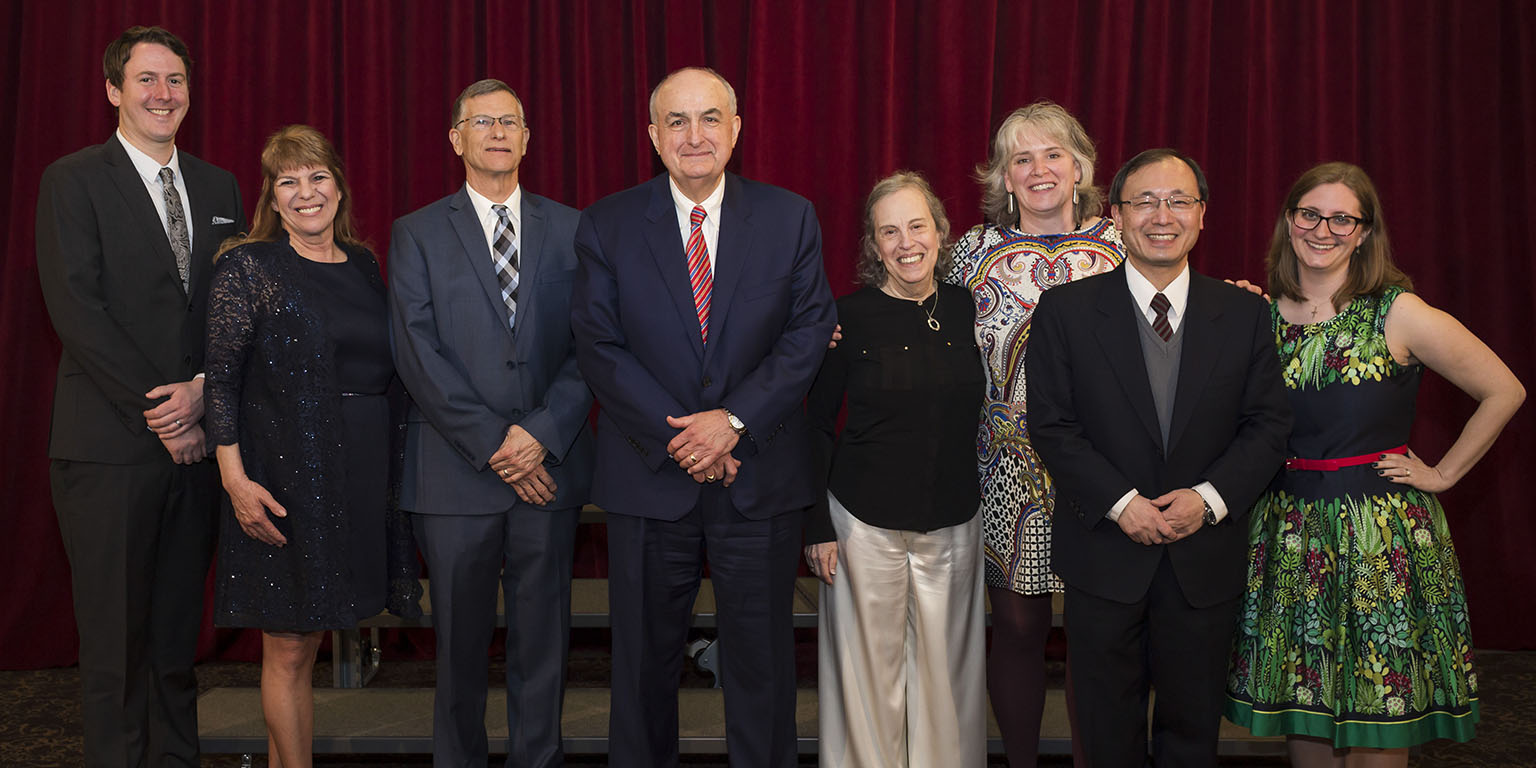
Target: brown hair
{"points": [[1051, 121], [870, 270], [296, 146], [115, 60], [481, 88], [1371, 269]]}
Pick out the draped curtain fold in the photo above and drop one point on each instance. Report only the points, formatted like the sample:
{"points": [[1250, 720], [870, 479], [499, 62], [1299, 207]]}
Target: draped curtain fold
{"points": [[1435, 98]]}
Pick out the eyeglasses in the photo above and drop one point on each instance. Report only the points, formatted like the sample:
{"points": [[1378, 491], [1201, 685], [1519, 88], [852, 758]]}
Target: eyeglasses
{"points": [[484, 122], [1340, 224], [1147, 204]]}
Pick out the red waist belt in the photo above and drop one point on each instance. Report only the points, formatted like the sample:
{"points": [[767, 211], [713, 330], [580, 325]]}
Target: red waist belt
{"points": [[1334, 465]]}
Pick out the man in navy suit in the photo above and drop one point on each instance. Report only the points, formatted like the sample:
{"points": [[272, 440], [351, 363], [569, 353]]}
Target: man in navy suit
{"points": [[701, 316], [126, 233], [1155, 400], [498, 454]]}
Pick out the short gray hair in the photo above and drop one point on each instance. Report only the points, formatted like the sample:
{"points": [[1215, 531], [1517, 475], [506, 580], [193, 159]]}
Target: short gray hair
{"points": [[730, 93]]}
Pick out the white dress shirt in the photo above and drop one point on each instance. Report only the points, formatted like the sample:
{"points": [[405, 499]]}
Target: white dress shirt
{"points": [[149, 172], [488, 217], [711, 225], [1177, 293]]}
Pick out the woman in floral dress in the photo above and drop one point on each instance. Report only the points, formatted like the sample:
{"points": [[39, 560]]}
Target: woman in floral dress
{"points": [[1353, 639], [1042, 229]]}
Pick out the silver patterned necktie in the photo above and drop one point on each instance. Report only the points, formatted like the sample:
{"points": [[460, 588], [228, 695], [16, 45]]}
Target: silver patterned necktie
{"points": [[176, 227], [504, 261]]}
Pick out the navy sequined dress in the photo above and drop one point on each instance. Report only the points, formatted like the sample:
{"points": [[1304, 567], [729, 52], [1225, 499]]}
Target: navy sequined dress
{"points": [[298, 374]]}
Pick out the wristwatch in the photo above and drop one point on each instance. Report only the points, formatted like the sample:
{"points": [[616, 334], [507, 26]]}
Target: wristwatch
{"points": [[1210, 514], [730, 418]]}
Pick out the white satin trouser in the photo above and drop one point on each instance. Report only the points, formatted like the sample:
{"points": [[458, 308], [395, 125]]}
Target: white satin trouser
{"points": [[903, 648]]}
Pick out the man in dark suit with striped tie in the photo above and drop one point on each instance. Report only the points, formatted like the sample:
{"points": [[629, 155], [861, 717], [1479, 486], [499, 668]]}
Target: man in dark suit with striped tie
{"points": [[1156, 403], [498, 453], [701, 315]]}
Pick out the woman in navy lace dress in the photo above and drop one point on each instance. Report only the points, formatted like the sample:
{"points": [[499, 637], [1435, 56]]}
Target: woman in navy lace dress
{"points": [[298, 371]]}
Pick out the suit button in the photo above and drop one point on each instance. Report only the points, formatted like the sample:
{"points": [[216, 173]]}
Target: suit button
{"points": [[707, 382], [511, 365]]}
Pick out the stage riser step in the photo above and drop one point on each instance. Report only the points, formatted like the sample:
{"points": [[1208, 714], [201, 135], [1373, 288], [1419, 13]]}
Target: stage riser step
{"points": [[399, 721]]}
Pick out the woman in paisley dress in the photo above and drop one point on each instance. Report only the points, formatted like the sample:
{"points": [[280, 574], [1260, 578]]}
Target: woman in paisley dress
{"points": [[1353, 639], [1042, 229]]}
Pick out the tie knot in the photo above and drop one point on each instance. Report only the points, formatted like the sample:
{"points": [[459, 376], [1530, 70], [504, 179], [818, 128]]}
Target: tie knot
{"points": [[697, 217], [167, 176], [1161, 304], [501, 210]]}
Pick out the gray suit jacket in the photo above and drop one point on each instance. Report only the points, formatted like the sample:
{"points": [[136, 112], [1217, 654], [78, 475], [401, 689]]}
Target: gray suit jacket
{"points": [[471, 377]]}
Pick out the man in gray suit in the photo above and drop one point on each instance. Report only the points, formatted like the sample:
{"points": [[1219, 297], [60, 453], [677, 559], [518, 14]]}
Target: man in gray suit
{"points": [[498, 454]]}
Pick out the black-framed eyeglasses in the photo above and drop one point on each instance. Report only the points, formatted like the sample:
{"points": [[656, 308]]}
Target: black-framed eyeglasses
{"points": [[1340, 224], [484, 122], [1146, 204]]}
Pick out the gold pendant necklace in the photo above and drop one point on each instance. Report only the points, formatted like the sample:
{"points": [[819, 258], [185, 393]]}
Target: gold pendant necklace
{"points": [[933, 324]]}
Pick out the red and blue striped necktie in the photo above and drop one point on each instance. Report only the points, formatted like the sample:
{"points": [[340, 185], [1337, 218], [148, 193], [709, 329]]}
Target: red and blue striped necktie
{"points": [[700, 276]]}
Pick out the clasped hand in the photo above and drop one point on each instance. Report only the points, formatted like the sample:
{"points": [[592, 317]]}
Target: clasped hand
{"points": [[703, 447], [175, 420], [519, 462], [1163, 520]]}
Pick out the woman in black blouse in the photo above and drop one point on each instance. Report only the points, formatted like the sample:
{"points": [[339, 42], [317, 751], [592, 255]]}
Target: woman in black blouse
{"points": [[298, 366], [897, 539]]}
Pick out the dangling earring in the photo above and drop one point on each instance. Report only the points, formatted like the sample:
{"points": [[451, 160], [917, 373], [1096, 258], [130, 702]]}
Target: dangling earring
{"points": [[1074, 194], [1010, 203]]}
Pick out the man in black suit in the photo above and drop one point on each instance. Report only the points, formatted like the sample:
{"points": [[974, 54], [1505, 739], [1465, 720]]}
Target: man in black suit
{"points": [[126, 233], [1155, 401], [702, 314], [498, 455]]}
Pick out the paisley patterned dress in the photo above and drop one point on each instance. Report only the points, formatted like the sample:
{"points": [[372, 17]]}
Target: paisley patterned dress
{"points": [[1006, 271], [1354, 624]]}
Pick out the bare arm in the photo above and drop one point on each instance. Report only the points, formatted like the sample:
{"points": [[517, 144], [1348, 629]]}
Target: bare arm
{"points": [[1419, 333]]}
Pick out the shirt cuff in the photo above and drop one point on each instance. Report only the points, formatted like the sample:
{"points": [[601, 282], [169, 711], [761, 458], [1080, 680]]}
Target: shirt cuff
{"points": [[1208, 492], [1119, 507]]}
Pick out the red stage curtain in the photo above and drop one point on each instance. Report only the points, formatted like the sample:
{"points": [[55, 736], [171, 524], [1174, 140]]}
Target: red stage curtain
{"points": [[1435, 98]]}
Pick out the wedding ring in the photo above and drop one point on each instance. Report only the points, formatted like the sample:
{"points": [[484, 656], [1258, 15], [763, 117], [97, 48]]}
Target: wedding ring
{"points": [[693, 457], [710, 478], [506, 472], [178, 422]]}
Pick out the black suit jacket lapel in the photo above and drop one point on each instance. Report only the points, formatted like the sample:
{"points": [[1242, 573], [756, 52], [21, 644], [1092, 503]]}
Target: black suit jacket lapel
{"points": [[733, 249], [1202, 347], [477, 254], [131, 186], [1120, 340], [665, 242]]}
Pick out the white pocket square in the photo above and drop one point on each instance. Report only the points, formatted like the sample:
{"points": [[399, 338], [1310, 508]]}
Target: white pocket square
{"points": [[221, 220]]}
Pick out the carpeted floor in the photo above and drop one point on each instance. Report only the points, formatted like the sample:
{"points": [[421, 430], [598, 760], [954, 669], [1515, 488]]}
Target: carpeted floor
{"points": [[40, 714]]}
